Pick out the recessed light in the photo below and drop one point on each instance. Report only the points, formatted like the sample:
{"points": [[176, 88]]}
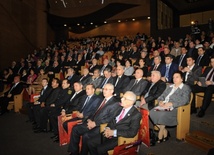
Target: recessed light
{"points": [[65, 24], [148, 17], [105, 22], [119, 21], [78, 24], [133, 19], [91, 23]]}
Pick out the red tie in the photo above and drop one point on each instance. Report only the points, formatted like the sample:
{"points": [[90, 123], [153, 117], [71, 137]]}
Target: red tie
{"points": [[100, 107], [121, 115]]}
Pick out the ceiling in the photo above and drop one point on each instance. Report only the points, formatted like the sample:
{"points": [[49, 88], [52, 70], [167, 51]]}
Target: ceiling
{"points": [[91, 13]]}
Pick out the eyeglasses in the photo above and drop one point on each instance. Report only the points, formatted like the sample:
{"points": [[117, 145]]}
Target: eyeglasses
{"points": [[128, 99]]}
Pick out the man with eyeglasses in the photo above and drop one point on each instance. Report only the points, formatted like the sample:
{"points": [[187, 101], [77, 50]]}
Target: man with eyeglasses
{"points": [[125, 124]]}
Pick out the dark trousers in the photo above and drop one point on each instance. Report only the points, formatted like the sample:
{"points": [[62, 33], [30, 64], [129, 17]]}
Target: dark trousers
{"points": [[208, 91], [77, 132], [99, 145], [65, 124], [4, 101], [36, 113], [29, 107]]}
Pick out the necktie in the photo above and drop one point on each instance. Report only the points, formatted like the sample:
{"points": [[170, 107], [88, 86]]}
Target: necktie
{"points": [[210, 75], [167, 72], [155, 68], [136, 81], [73, 96], [82, 77], [103, 83], [117, 81], [198, 60], [147, 94], [181, 59], [86, 101], [121, 115], [42, 92], [100, 107]]}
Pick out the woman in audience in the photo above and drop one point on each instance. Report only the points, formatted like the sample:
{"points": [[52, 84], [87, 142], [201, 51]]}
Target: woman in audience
{"points": [[24, 76], [141, 65], [37, 84], [30, 79], [8, 76], [165, 114], [129, 69]]}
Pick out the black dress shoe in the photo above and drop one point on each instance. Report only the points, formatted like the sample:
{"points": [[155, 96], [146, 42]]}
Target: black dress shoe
{"points": [[56, 140], [201, 113]]}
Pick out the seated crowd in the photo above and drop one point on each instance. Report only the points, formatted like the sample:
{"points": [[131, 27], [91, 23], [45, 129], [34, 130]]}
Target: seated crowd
{"points": [[103, 81]]}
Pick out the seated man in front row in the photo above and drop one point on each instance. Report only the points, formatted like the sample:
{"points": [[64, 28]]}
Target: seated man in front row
{"points": [[126, 124]]}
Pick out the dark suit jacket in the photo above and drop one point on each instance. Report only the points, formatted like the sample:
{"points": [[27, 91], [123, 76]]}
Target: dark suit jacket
{"points": [[15, 91], [206, 72], [72, 105], [129, 125], [90, 107], [97, 82], [63, 97], [137, 88], [193, 75], [45, 94], [91, 69], [110, 80], [184, 60], [73, 79], [204, 61], [160, 69], [121, 85], [85, 80], [52, 97], [156, 90], [173, 68], [107, 113]]}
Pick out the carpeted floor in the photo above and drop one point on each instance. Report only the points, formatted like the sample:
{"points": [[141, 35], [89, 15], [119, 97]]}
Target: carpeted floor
{"points": [[17, 137]]}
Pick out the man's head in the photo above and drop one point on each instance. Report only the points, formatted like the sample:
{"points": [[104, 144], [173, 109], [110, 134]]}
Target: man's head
{"points": [[120, 70], [78, 86], [155, 76], [212, 62], [90, 89], [105, 62], [55, 82], [157, 60], [70, 71], [108, 90], [166, 50], [65, 84], [168, 59], [96, 73], [94, 61], [183, 50], [44, 82], [138, 74], [201, 51], [107, 73], [128, 99], [16, 79], [85, 71], [190, 61]]}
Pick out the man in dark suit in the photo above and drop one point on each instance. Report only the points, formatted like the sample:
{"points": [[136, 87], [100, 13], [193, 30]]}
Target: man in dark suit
{"points": [[86, 106], [202, 59], [181, 60], [191, 72], [104, 66], [45, 106], [72, 104], [8, 96], [153, 90], [120, 81], [71, 77], [208, 90], [85, 78], [158, 66], [138, 84], [125, 124], [34, 109], [107, 110], [96, 79], [169, 68], [93, 66]]}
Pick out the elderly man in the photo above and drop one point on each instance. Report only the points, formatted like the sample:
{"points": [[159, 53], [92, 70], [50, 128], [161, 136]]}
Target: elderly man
{"points": [[106, 111], [153, 90], [138, 84], [126, 124]]}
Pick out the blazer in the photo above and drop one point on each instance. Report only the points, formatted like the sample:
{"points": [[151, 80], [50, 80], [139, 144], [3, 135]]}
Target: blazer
{"points": [[91, 107], [73, 79], [14, 91], [107, 113], [159, 68], [97, 82], [173, 68], [110, 80], [53, 96], [206, 72], [72, 105], [156, 90], [193, 75], [204, 61], [129, 125], [121, 85], [137, 88], [45, 94], [85, 80], [184, 60]]}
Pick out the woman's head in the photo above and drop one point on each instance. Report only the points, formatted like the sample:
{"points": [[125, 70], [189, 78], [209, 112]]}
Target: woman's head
{"points": [[178, 77], [128, 63], [32, 71]]}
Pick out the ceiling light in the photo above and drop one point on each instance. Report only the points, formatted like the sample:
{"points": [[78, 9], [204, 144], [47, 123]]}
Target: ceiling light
{"points": [[91, 23], [148, 17], [105, 22], [65, 24], [78, 24], [96, 26], [119, 21], [133, 19]]}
